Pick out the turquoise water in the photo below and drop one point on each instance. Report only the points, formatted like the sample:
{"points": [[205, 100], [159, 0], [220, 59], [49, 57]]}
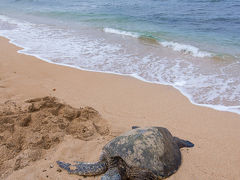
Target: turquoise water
{"points": [[191, 45], [212, 22]]}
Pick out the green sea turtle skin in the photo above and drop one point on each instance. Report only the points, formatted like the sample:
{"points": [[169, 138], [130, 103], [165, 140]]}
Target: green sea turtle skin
{"points": [[140, 154]]}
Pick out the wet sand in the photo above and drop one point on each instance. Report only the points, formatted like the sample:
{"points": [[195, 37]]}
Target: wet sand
{"points": [[123, 102]]}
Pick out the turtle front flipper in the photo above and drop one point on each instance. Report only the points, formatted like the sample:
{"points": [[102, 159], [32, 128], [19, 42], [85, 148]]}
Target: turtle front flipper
{"points": [[112, 174], [182, 143], [84, 169]]}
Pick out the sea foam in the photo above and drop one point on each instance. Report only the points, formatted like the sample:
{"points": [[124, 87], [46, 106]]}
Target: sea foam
{"points": [[183, 48], [186, 49], [120, 32]]}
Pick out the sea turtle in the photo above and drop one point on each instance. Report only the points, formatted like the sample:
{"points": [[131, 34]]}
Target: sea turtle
{"points": [[140, 154]]}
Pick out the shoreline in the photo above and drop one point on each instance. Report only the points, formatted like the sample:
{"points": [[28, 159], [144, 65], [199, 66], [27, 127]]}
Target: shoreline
{"points": [[123, 101], [232, 109]]}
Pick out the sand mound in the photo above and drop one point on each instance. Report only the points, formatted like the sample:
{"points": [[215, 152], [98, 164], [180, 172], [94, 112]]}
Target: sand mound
{"points": [[29, 129]]}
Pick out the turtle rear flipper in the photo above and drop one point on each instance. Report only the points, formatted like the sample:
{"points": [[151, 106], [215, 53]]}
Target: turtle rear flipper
{"points": [[112, 174], [182, 143], [84, 169]]}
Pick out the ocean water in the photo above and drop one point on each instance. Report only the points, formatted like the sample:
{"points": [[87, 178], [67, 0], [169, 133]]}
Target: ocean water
{"points": [[193, 46]]}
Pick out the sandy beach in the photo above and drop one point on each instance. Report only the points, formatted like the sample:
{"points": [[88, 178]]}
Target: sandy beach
{"points": [[123, 102]]}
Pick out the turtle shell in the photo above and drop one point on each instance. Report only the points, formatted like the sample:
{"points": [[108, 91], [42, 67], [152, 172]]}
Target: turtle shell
{"points": [[151, 149]]}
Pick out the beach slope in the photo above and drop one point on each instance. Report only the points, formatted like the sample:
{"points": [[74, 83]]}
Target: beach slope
{"points": [[123, 102]]}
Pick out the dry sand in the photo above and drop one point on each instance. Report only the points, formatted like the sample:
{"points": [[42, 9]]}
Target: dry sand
{"points": [[122, 102]]}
